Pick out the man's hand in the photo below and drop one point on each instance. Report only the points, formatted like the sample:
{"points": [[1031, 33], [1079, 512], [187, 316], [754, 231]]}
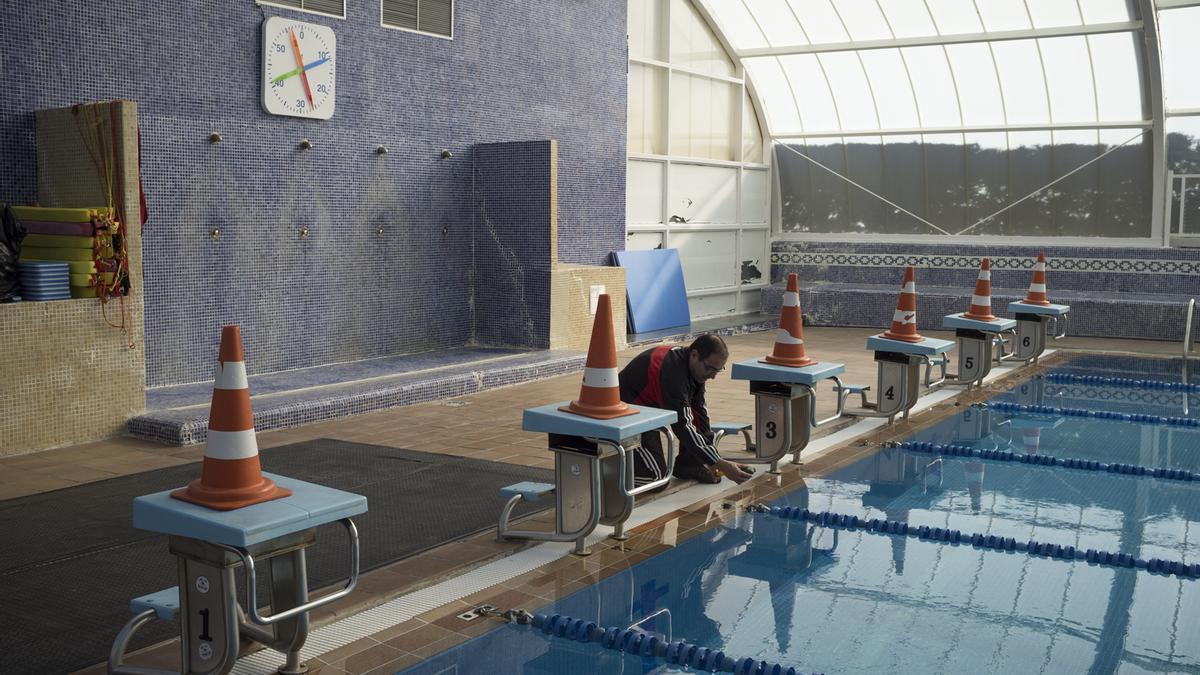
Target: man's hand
{"points": [[735, 472]]}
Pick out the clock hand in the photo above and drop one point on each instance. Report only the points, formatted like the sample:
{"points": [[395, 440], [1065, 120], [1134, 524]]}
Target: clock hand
{"points": [[296, 71], [300, 65]]}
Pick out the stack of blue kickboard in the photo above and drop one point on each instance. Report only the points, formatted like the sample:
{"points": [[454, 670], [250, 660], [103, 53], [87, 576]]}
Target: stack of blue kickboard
{"points": [[44, 280]]}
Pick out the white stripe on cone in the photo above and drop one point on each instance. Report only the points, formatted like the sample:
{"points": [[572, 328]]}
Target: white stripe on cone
{"points": [[1039, 267], [904, 316], [910, 287], [985, 275], [231, 444], [600, 377], [981, 299], [786, 338], [1037, 288], [791, 299], [231, 375]]}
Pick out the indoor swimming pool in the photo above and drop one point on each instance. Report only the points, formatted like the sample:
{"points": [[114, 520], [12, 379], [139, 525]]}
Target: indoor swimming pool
{"points": [[1079, 563]]}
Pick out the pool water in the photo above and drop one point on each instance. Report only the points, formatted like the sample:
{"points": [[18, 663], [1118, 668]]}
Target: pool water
{"points": [[829, 600]]}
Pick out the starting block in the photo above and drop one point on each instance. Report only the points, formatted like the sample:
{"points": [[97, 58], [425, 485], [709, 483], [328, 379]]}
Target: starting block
{"points": [[898, 385], [1032, 322], [723, 429], [593, 471], [977, 342], [785, 406]]}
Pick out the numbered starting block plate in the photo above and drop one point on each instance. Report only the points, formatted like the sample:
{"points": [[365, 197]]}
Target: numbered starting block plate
{"points": [[998, 325], [926, 347], [1048, 310], [769, 372], [550, 420]]}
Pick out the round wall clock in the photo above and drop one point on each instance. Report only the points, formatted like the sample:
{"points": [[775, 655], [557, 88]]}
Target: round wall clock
{"points": [[298, 68]]}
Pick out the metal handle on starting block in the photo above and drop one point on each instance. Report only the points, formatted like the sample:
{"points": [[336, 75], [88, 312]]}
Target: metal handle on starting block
{"points": [[252, 582], [942, 363], [841, 392], [623, 457], [1060, 326]]}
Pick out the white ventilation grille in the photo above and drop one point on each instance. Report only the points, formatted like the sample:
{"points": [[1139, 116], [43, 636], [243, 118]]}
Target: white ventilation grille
{"points": [[332, 7], [426, 16]]}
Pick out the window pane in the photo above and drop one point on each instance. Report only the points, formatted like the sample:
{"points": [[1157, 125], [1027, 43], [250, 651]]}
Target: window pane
{"points": [[774, 92], [904, 185], [707, 258], [1178, 29], [776, 20], [756, 195], [702, 194], [945, 184], [736, 22], [643, 241], [855, 105], [893, 90], [1022, 82], [1029, 168], [817, 112], [812, 199], [693, 45], [647, 97], [702, 115], [864, 165], [1073, 199], [955, 16], [755, 257], [1124, 195], [646, 29], [643, 192], [1069, 74], [934, 86], [978, 88], [1118, 77], [752, 140], [986, 157], [1001, 15], [863, 20], [820, 21], [1107, 11], [908, 18], [1048, 13], [1183, 157]]}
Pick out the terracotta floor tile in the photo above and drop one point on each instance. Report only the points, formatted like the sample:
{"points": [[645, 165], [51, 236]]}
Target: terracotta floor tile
{"points": [[368, 659], [419, 638]]}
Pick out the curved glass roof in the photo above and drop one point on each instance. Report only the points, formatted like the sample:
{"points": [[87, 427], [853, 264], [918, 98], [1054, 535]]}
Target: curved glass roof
{"points": [[857, 67]]}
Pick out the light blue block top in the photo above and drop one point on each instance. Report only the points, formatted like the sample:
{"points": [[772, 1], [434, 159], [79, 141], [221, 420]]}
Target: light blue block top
{"points": [[926, 347], [529, 490], [550, 420], [165, 603], [309, 506], [1050, 310], [769, 372], [996, 326]]}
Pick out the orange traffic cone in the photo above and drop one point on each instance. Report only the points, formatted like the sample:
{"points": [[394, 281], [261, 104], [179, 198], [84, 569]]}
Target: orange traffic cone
{"points": [[1037, 287], [904, 321], [1031, 440], [231, 476], [981, 301], [789, 340], [600, 395]]}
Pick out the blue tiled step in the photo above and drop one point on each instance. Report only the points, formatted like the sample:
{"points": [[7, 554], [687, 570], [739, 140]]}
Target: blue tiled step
{"points": [[293, 398], [1152, 316]]}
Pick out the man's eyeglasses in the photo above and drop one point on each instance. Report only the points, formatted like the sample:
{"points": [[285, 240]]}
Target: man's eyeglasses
{"points": [[710, 369]]}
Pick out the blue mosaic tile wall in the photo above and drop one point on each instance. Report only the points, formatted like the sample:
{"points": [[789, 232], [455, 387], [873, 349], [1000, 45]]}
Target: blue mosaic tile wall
{"points": [[513, 72], [511, 244]]}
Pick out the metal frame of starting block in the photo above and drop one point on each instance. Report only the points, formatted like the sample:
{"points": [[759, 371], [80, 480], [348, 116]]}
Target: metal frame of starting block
{"points": [[785, 407], [210, 545], [977, 342], [1032, 323], [593, 471], [899, 376]]}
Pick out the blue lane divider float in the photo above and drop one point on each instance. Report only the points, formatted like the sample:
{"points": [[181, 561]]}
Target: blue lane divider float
{"points": [[1122, 382], [643, 644], [988, 541], [1047, 460], [1004, 406]]}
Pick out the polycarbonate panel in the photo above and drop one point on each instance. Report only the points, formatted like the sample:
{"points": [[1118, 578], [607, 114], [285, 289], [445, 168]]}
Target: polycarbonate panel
{"points": [[776, 20], [774, 91], [702, 194], [646, 18], [1073, 201], [693, 44], [1183, 145], [752, 137], [1001, 15], [643, 241], [1052, 13], [702, 116], [978, 89], [934, 86], [863, 20], [986, 181], [737, 24], [647, 109], [1178, 30], [1021, 81], [1118, 79], [643, 192], [954, 16], [852, 94], [904, 185], [1125, 194], [893, 90], [755, 257], [820, 21], [817, 111], [945, 181], [707, 258], [1069, 76], [1030, 168], [864, 165], [711, 305], [1107, 11], [908, 18], [756, 195]]}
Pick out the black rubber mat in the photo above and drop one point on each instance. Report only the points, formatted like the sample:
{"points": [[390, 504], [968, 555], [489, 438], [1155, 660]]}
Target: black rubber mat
{"points": [[71, 560]]}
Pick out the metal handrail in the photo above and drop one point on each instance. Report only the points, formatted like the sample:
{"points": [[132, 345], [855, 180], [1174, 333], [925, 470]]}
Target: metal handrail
{"points": [[1187, 329]]}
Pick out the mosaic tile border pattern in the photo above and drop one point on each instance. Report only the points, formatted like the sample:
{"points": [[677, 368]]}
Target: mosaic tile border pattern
{"points": [[969, 262], [190, 425]]}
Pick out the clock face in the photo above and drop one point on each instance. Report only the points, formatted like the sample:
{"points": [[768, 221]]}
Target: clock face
{"points": [[298, 68]]}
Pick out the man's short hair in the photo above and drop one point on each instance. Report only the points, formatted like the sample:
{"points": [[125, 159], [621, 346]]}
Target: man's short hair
{"points": [[707, 345]]}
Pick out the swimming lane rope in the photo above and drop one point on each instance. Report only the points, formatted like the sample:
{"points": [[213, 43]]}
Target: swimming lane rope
{"points": [[643, 644], [1004, 406], [1121, 382], [987, 541], [1047, 460]]}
